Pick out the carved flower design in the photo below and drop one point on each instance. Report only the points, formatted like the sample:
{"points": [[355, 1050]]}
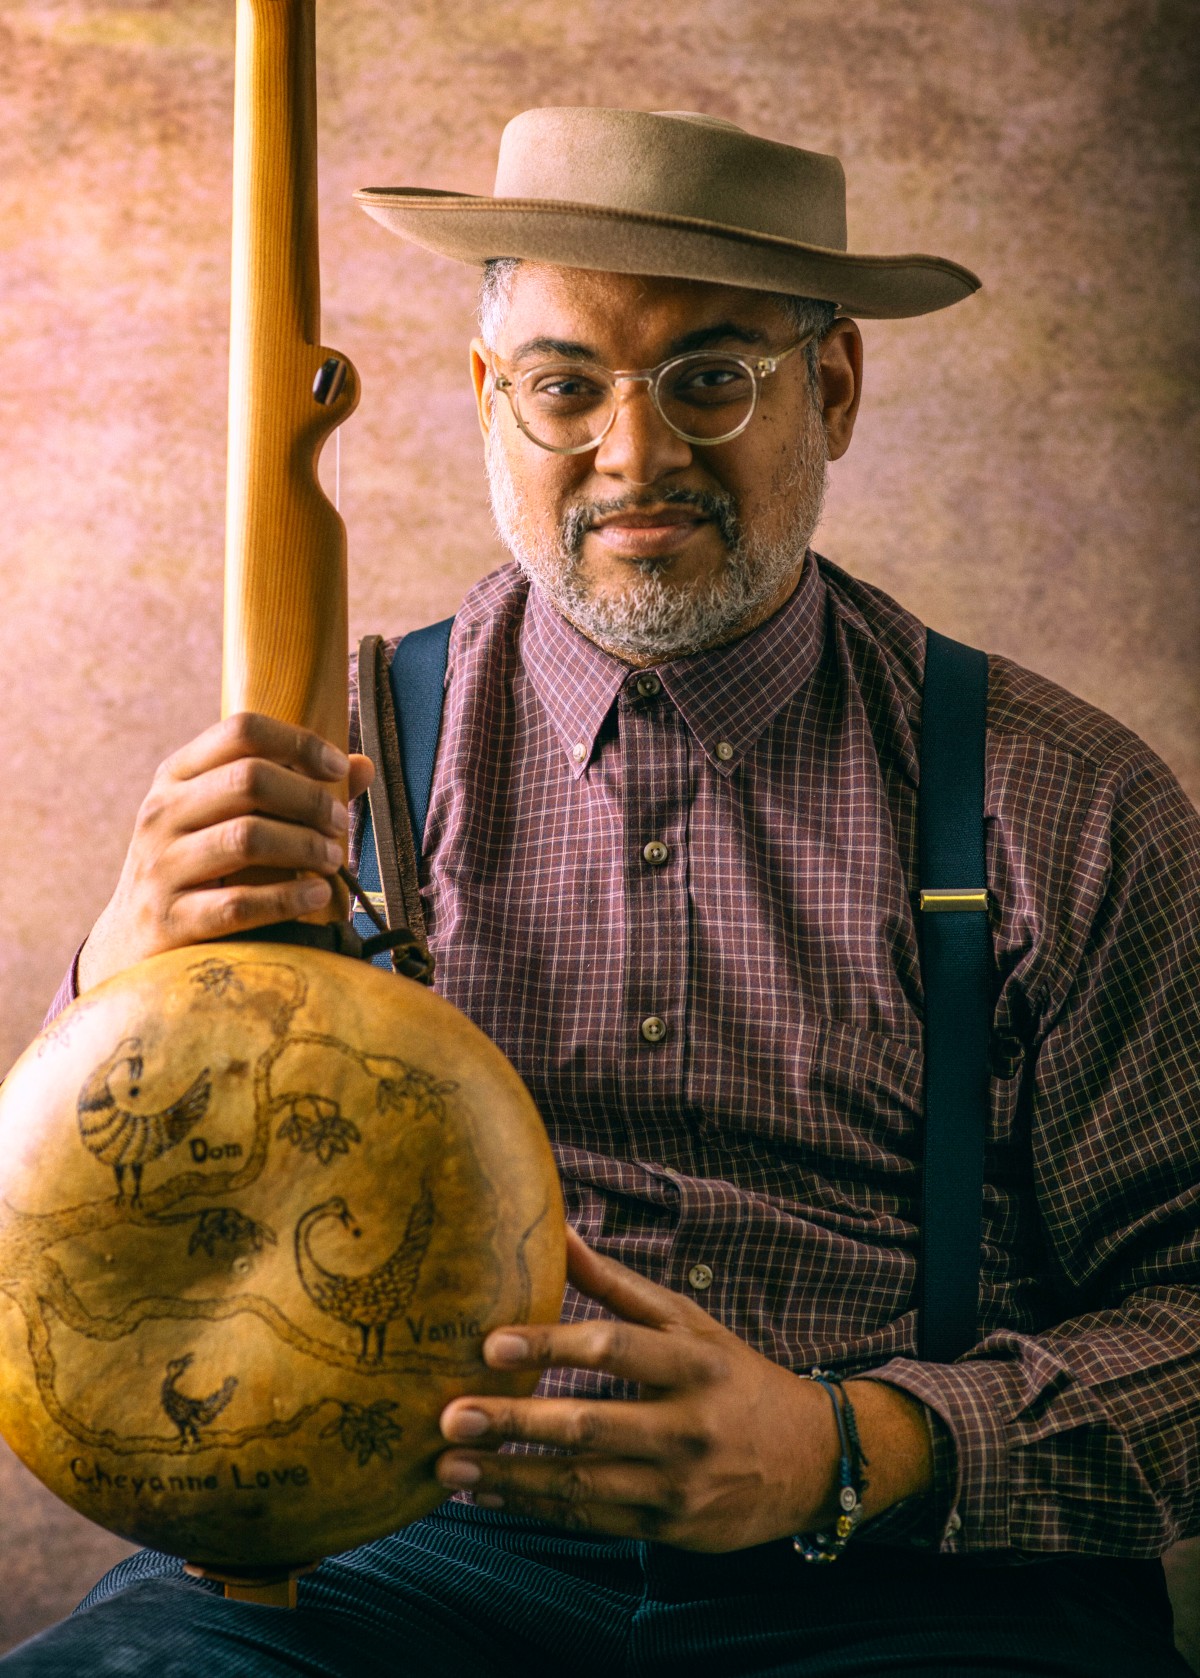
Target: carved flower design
{"points": [[225, 1224], [367, 1430], [315, 1125], [426, 1094], [216, 977]]}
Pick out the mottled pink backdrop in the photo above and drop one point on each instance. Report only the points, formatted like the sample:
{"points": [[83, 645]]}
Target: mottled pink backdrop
{"points": [[1023, 473]]}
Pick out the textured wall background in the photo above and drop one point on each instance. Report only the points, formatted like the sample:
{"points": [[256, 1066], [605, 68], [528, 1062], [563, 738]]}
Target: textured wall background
{"points": [[1022, 475]]}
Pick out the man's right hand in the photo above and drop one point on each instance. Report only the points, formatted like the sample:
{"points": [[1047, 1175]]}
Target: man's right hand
{"points": [[249, 792]]}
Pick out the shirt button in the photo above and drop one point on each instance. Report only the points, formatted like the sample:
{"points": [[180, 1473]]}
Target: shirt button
{"points": [[579, 751], [654, 1029], [655, 853], [724, 750], [701, 1277], [648, 687]]}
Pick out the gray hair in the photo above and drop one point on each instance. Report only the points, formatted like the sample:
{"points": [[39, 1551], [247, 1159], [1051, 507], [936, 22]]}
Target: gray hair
{"points": [[495, 295], [804, 314]]}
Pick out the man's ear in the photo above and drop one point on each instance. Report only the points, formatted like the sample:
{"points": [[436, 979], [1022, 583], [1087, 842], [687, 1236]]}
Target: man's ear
{"points": [[483, 380], [841, 384]]}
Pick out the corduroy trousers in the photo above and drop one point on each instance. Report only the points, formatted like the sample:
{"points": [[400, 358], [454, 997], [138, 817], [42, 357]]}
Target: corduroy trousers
{"points": [[469, 1591]]}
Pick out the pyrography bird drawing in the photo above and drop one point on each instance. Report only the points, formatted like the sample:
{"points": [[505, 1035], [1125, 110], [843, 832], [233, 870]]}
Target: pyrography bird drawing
{"points": [[191, 1414], [117, 1131], [370, 1301]]}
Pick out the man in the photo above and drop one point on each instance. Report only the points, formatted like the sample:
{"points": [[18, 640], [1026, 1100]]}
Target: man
{"points": [[669, 867]]}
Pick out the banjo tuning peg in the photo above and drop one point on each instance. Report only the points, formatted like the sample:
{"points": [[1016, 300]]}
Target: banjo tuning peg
{"points": [[331, 376]]}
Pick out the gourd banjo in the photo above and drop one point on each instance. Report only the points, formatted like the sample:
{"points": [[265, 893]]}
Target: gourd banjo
{"points": [[260, 1202]]}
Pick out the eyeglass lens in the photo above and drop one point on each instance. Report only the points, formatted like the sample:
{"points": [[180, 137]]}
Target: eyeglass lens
{"points": [[567, 405]]}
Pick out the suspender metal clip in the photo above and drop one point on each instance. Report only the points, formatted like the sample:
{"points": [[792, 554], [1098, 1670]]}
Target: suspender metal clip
{"points": [[953, 899]]}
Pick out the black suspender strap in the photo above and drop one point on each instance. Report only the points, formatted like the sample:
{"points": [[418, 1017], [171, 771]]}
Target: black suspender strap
{"points": [[956, 968], [418, 682]]}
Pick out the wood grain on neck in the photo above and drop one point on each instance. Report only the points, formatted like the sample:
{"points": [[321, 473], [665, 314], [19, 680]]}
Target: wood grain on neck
{"points": [[285, 544]]}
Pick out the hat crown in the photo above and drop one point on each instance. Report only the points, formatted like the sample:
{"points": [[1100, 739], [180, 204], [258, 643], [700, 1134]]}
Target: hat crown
{"points": [[674, 163]]}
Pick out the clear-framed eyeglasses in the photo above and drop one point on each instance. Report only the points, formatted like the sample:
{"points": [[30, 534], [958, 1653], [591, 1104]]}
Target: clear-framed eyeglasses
{"points": [[569, 407]]}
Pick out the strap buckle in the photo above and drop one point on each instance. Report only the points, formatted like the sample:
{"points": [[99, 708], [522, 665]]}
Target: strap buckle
{"points": [[371, 900], [954, 900]]}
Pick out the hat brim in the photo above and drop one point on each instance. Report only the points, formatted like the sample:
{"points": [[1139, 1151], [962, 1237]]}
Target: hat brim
{"points": [[572, 235]]}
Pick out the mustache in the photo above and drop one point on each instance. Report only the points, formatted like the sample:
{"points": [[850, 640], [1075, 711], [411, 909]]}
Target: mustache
{"points": [[720, 509]]}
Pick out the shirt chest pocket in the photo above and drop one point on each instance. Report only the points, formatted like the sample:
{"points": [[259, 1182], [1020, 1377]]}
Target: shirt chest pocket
{"points": [[862, 1100], [842, 1109]]}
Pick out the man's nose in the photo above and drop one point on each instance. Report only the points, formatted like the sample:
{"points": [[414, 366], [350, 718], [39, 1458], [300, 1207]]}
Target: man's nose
{"points": [[640, 447]]}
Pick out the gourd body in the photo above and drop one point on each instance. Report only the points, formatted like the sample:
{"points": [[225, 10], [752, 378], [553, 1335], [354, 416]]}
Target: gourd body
{"points": [[259, 1206]]}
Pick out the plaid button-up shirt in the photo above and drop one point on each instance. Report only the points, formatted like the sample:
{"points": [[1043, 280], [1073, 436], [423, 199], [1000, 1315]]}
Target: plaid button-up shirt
{"points": [[681, 901]]}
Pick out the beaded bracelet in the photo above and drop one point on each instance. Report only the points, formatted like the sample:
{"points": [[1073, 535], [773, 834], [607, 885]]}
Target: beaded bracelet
{"points": [[852, 1483]]}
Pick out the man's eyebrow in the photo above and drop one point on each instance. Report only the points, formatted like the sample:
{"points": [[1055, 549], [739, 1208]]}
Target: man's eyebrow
{"points": [[567, 348], [701, 339], [705, 336]]}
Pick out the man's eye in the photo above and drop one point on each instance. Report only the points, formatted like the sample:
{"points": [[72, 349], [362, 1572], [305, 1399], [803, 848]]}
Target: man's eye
{"points": [[565, 387], [711, 381]]}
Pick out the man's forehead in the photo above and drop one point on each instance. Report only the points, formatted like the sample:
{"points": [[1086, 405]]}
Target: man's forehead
{"points": [[627, 314]]}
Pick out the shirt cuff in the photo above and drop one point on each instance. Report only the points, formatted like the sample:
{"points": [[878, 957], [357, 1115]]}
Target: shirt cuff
{"points": [[968, 1504], [67, 991], [922, 1521]]}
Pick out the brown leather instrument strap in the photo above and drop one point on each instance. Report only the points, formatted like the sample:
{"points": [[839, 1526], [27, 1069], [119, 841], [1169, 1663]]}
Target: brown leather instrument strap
{"points": [[395, 846]]}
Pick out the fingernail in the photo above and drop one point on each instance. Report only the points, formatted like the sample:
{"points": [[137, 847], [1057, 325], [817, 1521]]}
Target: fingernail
{"points": [[339, 818], [334, 763], [458, 1471], [313, 893], [333, 852], [506, 1348], [466, 1424]]}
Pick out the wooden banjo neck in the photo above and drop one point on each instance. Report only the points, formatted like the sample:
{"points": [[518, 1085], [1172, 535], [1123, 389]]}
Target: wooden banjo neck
{"points": [[285, 637]]}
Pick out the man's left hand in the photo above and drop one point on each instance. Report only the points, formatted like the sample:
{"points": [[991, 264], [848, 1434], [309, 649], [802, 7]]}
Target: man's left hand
{"points": [[721, 1450]]}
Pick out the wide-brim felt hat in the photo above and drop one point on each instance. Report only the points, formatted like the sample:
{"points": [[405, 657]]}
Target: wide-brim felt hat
{"points": [[671, 193]]}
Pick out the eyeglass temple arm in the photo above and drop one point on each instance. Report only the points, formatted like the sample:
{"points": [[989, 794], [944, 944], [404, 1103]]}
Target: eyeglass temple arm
{"points": [[768, 363]]}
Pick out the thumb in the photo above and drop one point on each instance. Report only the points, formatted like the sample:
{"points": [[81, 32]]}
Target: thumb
{"points": [[362, 774]]}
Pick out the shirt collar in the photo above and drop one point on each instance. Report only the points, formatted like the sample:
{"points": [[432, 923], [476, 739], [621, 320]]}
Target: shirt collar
{"points": [[575, 680], [726, 695]]}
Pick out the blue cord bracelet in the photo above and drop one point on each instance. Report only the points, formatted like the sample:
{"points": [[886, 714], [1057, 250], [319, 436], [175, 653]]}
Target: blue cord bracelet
{"points": [[828, 1546]]}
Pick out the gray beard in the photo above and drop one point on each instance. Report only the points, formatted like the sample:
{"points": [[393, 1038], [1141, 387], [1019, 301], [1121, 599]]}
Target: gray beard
{"points": [[650, 618]]}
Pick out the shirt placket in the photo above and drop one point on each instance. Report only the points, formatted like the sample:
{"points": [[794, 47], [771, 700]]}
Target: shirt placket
{"points": [[654, 808]]}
